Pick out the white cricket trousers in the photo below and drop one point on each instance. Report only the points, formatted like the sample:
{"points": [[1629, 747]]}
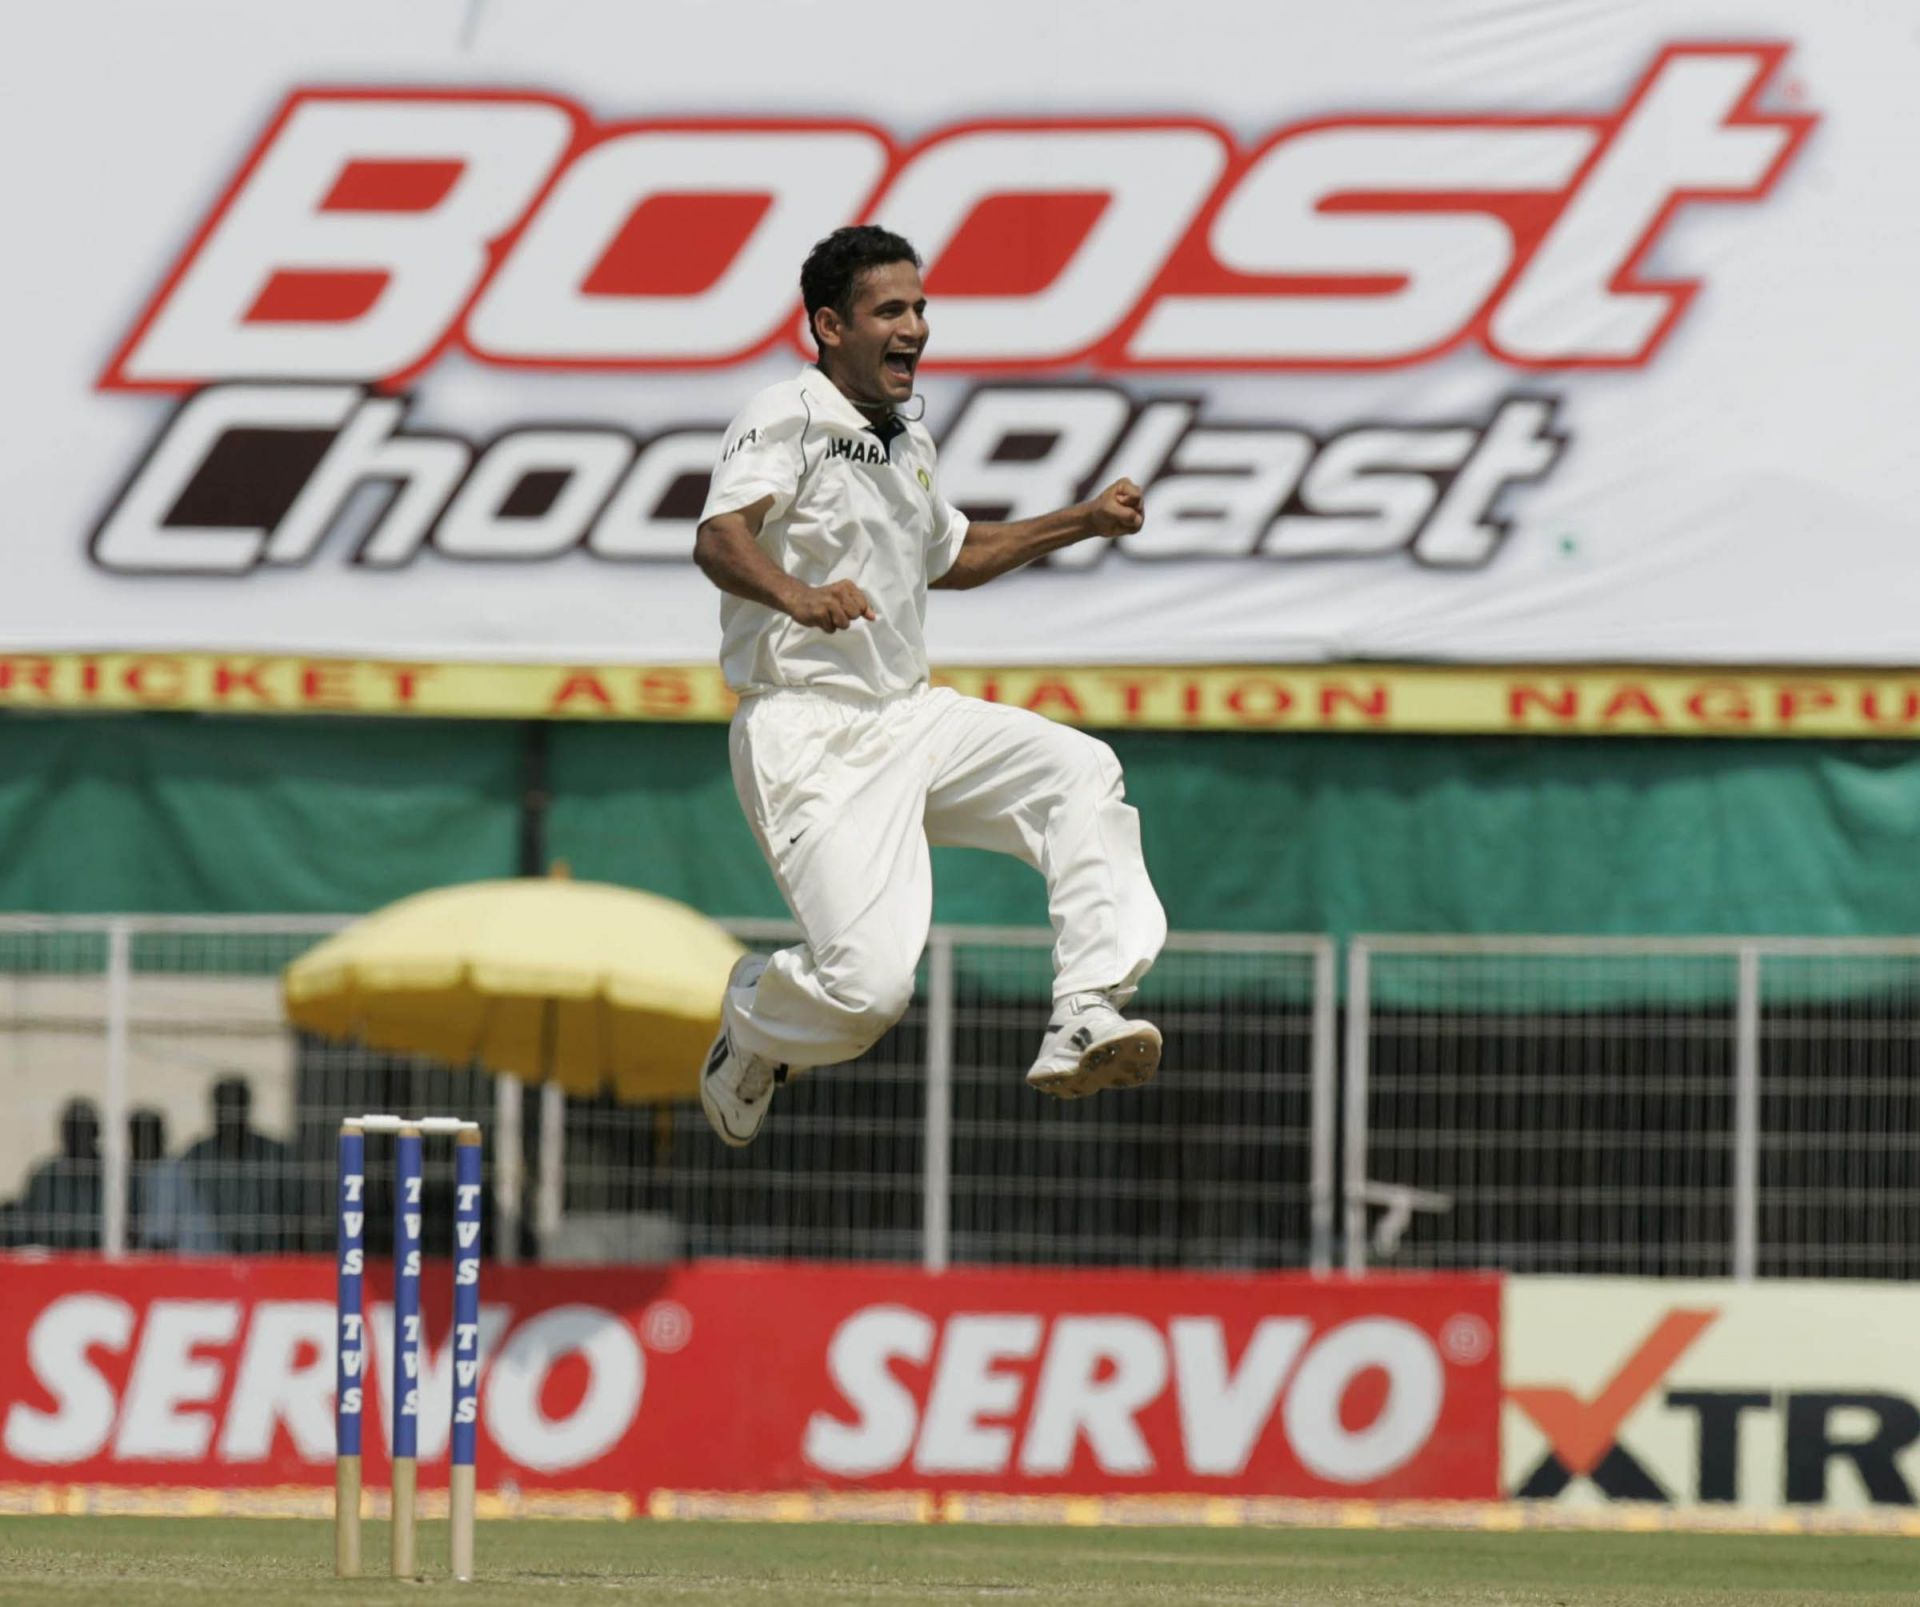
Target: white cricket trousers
{"points": [[845, 795]]}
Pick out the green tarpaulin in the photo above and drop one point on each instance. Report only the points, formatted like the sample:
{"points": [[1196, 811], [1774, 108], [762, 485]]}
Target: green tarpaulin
{"points": [[1250, 833]]}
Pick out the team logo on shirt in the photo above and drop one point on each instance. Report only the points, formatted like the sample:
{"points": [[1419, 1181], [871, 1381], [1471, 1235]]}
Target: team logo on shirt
{"points": [[746, 440], [841, 446]]}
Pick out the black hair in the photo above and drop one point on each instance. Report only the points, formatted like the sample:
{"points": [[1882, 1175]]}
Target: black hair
{"points": [[80, 1130], [831, 273], [232, 1102], [146, 1134]]}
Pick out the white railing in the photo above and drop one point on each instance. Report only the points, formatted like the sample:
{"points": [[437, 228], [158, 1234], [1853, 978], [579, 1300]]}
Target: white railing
{"points": [[931, 1148], [1740, 1107], [1730, 1107]]}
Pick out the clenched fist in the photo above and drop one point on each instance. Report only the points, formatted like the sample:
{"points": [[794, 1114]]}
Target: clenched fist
{"points": [[832, 607], [1119, 510]]}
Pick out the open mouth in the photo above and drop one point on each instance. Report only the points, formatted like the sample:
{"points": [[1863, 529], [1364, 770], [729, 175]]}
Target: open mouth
{"points": [[901, 364]]}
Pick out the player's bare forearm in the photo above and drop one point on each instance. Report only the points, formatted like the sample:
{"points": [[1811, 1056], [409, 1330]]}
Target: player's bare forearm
{"points": [[991, 550], [728, 553]]}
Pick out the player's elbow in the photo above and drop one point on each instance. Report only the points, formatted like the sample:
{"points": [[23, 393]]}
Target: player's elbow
{"points": [[963, 574], [707, 545]]}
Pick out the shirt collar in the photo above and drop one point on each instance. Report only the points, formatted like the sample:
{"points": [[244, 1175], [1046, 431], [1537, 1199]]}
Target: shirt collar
{"points": [[836, 403]]}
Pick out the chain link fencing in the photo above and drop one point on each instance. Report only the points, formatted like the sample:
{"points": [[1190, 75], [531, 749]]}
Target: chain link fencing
{"points": [[162, 1104], [1661, 1107]]}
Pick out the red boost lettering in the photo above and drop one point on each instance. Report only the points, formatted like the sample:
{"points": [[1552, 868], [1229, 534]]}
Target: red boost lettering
{"points": [[370, 231]]}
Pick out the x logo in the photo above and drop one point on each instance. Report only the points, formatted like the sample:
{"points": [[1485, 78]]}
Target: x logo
{"points": [[1583, 1435]]}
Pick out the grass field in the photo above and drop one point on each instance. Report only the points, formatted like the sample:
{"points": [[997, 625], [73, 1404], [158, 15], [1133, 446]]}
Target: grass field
{"points": [[137, 1561]]}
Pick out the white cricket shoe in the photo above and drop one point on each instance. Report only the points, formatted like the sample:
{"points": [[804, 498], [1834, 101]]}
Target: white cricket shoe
{"points": [[1090, 1046], [736, 1089]]}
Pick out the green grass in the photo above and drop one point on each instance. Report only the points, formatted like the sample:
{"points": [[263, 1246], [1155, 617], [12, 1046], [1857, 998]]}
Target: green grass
{"points": [[132, 1562]]}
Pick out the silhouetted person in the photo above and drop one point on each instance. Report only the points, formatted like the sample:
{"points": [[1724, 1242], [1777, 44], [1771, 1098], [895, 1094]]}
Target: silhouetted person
{"points": [[146, 1135], [163, 1212], [243, 1183], [59, 1208], [146, 1148]]}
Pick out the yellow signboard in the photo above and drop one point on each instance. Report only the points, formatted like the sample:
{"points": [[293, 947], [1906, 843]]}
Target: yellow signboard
{"points": [[1514, 700]]}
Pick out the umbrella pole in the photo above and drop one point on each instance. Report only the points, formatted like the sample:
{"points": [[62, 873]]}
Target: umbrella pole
{"points": [[535, 746], [549, 1196], [509, 1165]]}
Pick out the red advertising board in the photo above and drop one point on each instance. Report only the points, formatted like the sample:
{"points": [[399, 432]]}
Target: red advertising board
{"points": [[758, 1377]]}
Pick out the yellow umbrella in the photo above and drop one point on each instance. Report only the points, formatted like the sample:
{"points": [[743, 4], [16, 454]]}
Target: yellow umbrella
{"points": [[580, 982]]}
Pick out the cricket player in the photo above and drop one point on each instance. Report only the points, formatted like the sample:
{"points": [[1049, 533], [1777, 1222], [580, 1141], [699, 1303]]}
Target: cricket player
{"points": [[824, 528]]}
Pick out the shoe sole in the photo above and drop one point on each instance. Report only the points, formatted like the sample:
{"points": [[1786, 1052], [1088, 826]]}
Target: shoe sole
{"points": [[1126, 1060]]}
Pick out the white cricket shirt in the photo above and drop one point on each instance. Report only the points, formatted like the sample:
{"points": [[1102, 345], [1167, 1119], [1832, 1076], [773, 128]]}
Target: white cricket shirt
{"points": [[848, 504]]}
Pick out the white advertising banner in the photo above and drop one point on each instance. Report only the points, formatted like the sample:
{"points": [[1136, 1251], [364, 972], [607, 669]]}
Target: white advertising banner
{"points": [[1772, 1395], [1435, 329]]}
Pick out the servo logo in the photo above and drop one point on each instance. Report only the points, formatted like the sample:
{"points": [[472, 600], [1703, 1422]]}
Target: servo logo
{"points": [[372, 232]]}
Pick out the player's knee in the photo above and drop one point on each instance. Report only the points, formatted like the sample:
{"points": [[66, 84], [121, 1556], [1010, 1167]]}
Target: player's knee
{"points": [[1104, 764], [874, 999], [891, 994], [1087, 761]]}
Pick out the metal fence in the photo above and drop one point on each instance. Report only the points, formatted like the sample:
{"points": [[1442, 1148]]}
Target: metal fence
{"points": [[1579, 1105], [1743, 1108], [208, 1126]]}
